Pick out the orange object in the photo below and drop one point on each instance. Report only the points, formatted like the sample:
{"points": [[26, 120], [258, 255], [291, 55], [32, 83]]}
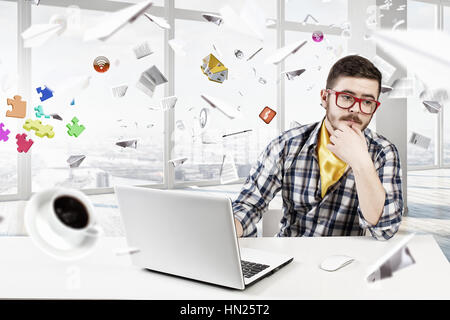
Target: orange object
{"points": [[101, 64], [267, 115], [19, 107]]}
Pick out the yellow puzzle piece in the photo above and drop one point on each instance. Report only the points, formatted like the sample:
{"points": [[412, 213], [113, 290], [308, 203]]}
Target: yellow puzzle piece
{"points": [[41, 130]]}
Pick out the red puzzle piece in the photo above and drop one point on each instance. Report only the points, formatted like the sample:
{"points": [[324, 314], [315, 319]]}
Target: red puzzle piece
{"points": [[23, 144]]}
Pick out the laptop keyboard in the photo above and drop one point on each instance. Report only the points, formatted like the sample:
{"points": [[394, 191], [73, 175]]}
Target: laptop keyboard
{"points": [[249, 269]]}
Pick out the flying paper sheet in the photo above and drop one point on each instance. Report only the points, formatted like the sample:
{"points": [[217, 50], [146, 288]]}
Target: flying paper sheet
{"points": [[178, 46], [386, 69], [132, 143], [254, 54], [419, 140], [251, 21], [168, 102], [149, 79], [75, 161], [228, 171], [37, 34], [395, 259], [385, 88], [426, 53], [284, 52], [119, 91], [115, 21], [432, 106], [160, 22], [142, 50], [222, 106], [294, 124]]}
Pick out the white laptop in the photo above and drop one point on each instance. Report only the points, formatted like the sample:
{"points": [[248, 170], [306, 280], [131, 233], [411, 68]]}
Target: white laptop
{"points": [[191, 235]]}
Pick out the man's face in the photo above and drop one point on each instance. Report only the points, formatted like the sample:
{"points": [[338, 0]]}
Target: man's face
{"points": [[358, 87]]}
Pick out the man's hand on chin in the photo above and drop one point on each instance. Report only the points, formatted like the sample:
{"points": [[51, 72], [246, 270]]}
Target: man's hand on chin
{"points": [[349, 144]]}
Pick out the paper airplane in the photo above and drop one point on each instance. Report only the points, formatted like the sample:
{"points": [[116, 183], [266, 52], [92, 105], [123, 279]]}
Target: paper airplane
{"points": [[385, 88], [55, 116], [149, 79], [119, 91], [132, 143], [37, 34], [294, 124], [251, 20], [160, 22], [397, 257], [222, 106], [419, 140], [214, 18], [432, 106], [115, 21], [75, 161], [178, 46], [294, 73], [282, 53], [425, 53], [168, 102], [178, 161], [228, 171], [386, 69], [142, 50]]}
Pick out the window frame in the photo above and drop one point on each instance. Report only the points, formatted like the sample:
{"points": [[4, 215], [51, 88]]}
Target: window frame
{"points": [[170, 13]]}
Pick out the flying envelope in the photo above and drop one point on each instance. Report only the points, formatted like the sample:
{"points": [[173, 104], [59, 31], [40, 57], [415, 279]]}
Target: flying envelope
{"points": [[115, 21]]}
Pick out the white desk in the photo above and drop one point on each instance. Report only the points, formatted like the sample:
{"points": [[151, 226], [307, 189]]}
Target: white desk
{"points": [[26, 272]]}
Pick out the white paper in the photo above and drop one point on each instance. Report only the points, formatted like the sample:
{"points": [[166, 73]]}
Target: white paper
{"points": [[432, 106], [160, 22], [119, 91], [386, 69], [222, 106], [142, 50], [419, 140], [168, 102], [282, 53], [228, 171], [113, 22]]}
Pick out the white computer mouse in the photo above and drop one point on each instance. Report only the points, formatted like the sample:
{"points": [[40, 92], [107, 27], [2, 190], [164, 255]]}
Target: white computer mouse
{"points": [[335, 262]]}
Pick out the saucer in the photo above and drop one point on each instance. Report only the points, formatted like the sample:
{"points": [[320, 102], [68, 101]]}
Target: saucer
{"points": [[48, 240]]}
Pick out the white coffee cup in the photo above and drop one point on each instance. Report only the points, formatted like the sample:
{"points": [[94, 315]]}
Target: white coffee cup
{"points": [[62, 222]]}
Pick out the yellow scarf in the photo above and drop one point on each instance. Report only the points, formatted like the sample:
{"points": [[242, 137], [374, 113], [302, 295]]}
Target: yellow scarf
{"points": [[331, 167]]}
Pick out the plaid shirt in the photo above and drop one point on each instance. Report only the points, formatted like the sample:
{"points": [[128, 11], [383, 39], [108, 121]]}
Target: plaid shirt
{"points": [[289, 163]]}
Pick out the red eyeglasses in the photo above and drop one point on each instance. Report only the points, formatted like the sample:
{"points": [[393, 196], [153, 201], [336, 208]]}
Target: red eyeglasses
{"points": [[345, 100]]}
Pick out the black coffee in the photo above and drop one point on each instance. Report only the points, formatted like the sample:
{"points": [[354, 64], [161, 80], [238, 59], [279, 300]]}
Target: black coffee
{"points": [[71, 212]]}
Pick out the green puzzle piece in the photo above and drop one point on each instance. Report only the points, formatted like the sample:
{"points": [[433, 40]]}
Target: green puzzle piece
{"points": [[41, 130], [75, 129]]}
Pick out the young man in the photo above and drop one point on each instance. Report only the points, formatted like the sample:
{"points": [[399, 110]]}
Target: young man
{"points": [[337, 177]]}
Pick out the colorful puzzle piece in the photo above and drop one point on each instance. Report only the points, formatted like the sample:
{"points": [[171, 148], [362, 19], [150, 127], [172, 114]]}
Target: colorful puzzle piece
{"points": [[75, 129], [41, 130], [23, 145], [45, 92], [40, 112], [72, 103], [4, 133], [19, 107]]}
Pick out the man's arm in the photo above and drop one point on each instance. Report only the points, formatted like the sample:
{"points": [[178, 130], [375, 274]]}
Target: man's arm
{"points": [[379, 191], [262, 184]]}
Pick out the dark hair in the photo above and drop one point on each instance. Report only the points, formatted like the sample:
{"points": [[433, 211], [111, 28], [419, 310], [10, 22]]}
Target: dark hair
{"points": [[353, 66]]}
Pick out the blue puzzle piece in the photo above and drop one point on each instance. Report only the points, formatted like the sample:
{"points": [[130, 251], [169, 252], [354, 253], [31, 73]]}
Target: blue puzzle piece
{"points": [[46, 93], [72, 103]]}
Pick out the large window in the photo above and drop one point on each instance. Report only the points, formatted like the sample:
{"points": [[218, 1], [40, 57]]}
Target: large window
{"points": [[250, 86], [65, 64], [421, 16], [8, 89]]}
